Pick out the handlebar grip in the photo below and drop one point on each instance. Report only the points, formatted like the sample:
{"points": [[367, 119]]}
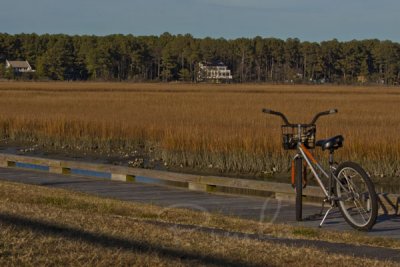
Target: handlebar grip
{"points": [[268, 111]]}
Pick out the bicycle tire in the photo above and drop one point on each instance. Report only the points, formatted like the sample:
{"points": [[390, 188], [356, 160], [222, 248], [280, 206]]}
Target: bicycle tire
{"points": [[367, 206], [299, 188]]}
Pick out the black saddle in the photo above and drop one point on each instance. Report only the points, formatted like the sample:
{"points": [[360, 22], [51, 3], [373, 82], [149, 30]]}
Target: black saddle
{"points": [[332, 143]]}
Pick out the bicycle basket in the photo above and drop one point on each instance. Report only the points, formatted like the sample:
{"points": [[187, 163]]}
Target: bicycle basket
{"points": [[290, 136]]}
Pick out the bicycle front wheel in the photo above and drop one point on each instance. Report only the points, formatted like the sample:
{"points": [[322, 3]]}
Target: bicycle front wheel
{"points": [[357, 199]]}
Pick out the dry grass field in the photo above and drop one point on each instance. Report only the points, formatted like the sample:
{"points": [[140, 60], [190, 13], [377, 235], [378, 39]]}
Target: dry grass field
{"points": [[215, 127], [53, 227]]}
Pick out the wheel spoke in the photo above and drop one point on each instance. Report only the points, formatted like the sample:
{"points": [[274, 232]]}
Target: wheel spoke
{"points": [[360, 208]]}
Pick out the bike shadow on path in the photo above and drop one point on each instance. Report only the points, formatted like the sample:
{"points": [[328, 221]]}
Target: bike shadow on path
{"points": [[385, 223]]}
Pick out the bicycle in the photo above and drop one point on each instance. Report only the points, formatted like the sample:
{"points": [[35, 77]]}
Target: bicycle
{"points": [[349, 187]]}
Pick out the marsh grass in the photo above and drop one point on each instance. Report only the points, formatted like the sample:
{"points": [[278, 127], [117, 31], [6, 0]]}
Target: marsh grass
{"points": [[216, 127]]}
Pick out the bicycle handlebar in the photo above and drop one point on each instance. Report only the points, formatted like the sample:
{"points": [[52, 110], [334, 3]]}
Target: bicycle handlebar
{"points": [[284, 118]]}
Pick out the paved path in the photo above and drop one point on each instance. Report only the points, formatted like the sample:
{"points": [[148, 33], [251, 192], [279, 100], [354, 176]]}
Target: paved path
{"points": [[254, 208]]}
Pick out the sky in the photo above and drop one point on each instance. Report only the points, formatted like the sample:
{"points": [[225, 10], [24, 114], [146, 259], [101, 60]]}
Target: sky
{"points": [[308, 20]]}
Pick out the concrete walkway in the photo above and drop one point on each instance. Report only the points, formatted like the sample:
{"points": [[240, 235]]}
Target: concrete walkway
{"points": [[254, 208]]}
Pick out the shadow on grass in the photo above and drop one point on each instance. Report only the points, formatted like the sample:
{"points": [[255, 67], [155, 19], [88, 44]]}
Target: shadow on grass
{"points": [[55, 184], [107, 241], [46, 228]]}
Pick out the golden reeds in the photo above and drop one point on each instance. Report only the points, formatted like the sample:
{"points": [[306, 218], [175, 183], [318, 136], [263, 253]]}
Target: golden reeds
{"points": [[203, 126]]}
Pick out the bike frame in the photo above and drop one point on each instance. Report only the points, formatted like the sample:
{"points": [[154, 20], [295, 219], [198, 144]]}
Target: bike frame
{"points": [[313, 164]]}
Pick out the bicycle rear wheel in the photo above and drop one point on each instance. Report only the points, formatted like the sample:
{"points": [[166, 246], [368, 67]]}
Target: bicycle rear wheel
{"points": [[358, 201], [299, 188]]}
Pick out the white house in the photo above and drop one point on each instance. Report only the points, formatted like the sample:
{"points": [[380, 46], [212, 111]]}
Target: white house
{"points": [[214, 72], [19, 66]]}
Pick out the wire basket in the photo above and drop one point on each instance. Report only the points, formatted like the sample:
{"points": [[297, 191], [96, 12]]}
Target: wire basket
{"points": [[290, 136]]}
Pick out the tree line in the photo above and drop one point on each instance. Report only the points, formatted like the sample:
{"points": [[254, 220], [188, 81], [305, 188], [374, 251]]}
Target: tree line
{"points": [[175, 57]]}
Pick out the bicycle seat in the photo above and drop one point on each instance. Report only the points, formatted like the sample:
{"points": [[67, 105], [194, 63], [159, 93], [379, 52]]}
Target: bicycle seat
{"points": [[332, 143]]}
